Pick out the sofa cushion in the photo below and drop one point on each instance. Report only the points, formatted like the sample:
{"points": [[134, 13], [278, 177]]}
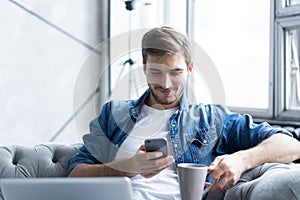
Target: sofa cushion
{"points": [[44, 160]]}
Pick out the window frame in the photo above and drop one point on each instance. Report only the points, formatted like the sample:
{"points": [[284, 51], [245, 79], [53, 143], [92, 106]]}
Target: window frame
{"points": [[286, 18], [287, 10]]}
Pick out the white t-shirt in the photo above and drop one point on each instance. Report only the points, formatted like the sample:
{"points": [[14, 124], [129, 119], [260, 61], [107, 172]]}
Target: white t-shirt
{"points": [[152, 123]]}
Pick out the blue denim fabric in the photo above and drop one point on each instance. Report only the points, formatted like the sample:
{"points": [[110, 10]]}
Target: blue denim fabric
{"points": [[198, 133]]}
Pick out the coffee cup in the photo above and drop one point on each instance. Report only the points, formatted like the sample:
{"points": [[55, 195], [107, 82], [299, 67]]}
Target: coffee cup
{"points": [[191, 179]]}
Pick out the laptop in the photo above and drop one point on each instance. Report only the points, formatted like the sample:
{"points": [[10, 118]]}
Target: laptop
{"points": [[106, 188]]}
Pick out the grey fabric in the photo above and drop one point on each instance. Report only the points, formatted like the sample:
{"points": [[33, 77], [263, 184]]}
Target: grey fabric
{"points": [[268, 182], [44, 160], [219, 195]]}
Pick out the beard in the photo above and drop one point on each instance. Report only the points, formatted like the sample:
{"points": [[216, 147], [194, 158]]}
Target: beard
{"points": [[165, 100]]}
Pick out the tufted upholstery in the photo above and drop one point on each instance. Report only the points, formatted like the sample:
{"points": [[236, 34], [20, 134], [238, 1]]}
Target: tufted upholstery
{"points": [[44, 160]]}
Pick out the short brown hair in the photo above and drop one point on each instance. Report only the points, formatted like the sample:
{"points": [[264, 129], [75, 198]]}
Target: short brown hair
{"points": [[163, 41]]}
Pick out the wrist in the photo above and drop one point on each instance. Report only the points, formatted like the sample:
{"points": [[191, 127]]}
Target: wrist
{"points": [[116, 168], [247, 160]]}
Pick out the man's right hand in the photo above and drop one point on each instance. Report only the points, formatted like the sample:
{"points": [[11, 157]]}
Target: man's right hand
{"points": [[147, 164]]}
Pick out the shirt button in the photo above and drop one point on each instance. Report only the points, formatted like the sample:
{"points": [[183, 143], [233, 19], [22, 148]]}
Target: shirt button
{"points": [[173, 125], [205, 141], [175, 145], [117, 145]]}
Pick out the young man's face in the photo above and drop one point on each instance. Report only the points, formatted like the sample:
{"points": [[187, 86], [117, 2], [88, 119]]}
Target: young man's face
{"points": [[166, 77]]}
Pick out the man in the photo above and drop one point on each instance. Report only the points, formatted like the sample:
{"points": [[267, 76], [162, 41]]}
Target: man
{"points": [[230, 144]]}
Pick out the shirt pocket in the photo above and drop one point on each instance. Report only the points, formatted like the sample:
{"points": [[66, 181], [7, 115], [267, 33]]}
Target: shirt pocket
{"points": [[201, 142]]}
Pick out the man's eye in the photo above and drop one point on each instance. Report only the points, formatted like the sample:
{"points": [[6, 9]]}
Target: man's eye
{"points": [[174, 73], [155, 72]]}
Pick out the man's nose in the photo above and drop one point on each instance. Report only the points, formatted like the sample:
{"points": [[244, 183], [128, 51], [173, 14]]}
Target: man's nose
{"points": [[166, 81]]}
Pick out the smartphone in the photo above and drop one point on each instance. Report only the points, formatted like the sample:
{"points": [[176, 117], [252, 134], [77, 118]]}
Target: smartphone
{"points": [[157, 144]]}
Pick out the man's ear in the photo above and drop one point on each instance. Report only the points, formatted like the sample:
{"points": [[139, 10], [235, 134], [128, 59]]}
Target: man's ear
{"points": [[190, 68]]}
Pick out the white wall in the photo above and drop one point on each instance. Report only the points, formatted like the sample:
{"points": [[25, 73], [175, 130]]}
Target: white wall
{"points": [[39, 65]]}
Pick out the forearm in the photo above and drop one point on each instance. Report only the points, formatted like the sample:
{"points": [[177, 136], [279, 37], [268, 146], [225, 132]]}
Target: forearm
{"points": [[96, 170], [278, 148]]}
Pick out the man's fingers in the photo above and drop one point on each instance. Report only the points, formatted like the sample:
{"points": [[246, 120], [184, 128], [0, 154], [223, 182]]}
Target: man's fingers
{"points": [[224, 182], [222, 168], [217, 172], [219, 184], [149, 155], [156, 164], [153, 155], [215, 163], [152, 171], [207, 184]]}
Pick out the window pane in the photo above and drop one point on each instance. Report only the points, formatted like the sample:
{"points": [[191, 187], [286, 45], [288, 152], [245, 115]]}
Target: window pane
{"points": [[146, 14], [237, 40], [292, 2], [292, 87]]}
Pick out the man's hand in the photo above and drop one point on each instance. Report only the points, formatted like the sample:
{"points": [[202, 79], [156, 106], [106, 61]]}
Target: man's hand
{"points": [[226, 170], [145, 163]]}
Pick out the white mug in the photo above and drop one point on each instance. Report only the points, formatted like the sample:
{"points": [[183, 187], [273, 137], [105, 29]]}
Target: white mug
{"points": [[191, 179]]}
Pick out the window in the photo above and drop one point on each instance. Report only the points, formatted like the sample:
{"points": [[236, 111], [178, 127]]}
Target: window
{"points": [[255, 49], [289, 3], [287, 43], [292, 86], [237, 40]]}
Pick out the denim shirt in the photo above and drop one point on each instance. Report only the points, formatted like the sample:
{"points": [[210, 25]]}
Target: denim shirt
{"points": [[198, 132]]}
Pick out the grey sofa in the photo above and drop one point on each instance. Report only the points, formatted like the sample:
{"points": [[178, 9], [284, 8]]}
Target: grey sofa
{"points": [[51, 159], [44, 160]]}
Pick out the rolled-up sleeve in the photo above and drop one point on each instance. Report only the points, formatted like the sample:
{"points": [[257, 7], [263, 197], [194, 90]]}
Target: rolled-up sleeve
{"points": [[82, 156], [242, 133]]}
